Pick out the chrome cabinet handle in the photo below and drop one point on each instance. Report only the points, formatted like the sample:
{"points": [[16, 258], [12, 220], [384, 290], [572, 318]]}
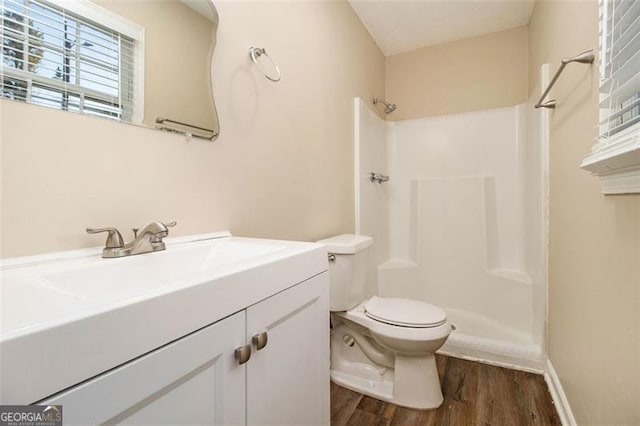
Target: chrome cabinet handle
{"points": [[260, 340], [114, 239], [332, 257], [242, 354]]}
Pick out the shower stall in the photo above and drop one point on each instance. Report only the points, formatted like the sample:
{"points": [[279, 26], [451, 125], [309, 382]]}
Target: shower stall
{"points": [[460, 223]]}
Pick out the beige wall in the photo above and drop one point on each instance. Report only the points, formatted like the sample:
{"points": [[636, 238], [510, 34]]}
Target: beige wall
{"points": [[478, 73], [174, 36], [594, 288], [282, 167]]}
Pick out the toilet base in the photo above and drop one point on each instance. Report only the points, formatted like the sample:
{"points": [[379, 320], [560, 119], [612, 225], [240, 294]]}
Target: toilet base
{"points": [[382, 390], [407, 381], [415, 385]]}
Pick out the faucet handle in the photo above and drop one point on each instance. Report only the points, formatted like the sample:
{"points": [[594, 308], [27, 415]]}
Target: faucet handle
{"points": [[114, 239], [161, 230]]}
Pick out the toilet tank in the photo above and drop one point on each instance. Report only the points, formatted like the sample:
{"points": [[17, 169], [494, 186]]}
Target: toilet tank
{"points": [[348, 272]]}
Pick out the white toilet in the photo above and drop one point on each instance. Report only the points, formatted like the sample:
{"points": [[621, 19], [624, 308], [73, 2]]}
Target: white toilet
{"points": [[381, 347]]}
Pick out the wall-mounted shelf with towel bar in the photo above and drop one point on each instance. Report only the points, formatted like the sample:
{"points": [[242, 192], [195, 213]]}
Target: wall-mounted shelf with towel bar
{"points": [[586, 57], [186, 129]]}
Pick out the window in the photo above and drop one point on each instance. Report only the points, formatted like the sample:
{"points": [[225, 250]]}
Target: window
{"points": [[56, 57], [619, 67], [616, 155]]}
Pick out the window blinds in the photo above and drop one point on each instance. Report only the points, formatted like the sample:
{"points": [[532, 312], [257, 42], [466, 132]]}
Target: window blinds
{"points": [[55, 58], [619, 69]]}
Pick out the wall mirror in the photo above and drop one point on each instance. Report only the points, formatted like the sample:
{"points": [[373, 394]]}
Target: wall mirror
{"points": [[144, 62]]}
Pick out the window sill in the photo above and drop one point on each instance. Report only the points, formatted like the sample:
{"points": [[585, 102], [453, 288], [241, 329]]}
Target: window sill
{"points": [[617, 165]]}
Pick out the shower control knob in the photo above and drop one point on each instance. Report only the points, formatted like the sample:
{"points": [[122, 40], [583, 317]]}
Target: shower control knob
{"points": [[378, 177]]}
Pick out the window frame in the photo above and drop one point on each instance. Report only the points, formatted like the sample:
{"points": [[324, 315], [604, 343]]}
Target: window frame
{"points": [[614, 159], [106, 18]]}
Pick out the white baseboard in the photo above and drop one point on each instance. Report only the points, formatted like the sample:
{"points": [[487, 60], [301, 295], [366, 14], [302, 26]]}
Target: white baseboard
{"points": [[558, 396], [517, 357]]}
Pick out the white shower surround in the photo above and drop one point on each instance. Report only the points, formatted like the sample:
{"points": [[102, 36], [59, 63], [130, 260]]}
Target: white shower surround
{"points": [[461, 224]]}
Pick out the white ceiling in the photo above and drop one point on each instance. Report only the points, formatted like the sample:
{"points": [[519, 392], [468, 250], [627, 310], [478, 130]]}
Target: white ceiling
{"points": [[402, 25]]}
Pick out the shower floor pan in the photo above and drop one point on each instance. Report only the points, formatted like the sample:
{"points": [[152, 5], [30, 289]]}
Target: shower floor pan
{"points": [[478, 338]]}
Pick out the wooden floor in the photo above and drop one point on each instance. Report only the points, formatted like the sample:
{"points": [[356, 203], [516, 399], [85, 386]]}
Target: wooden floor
{"points": [[474, 394]]}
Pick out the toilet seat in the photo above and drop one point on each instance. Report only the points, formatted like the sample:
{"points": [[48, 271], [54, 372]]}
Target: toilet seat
{"points": [[404, 312], [358, 316]]}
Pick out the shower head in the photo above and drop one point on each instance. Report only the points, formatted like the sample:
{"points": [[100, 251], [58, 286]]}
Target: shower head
{"points": [[388, 107]]}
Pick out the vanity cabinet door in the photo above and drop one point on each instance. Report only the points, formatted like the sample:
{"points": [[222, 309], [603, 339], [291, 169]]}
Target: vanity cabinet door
{"points": [[288, 378], [194, 380]]}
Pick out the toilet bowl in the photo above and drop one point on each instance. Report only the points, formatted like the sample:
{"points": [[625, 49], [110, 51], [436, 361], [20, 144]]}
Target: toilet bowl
{"points": [[381, 347]]}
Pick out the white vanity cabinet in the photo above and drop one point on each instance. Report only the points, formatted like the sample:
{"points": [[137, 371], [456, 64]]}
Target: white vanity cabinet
{"points": [[197, 380]]}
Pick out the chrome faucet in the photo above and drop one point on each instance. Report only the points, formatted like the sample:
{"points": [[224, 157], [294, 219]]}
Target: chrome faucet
{"points": [[146, 241]]}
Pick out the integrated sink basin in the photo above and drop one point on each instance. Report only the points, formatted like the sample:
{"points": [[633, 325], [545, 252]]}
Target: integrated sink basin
{"points": [[131, 276], [53, 305], [49, 290]]}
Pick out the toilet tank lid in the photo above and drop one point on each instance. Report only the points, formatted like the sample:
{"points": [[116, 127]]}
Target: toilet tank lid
{"points": [[346, 243]]}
